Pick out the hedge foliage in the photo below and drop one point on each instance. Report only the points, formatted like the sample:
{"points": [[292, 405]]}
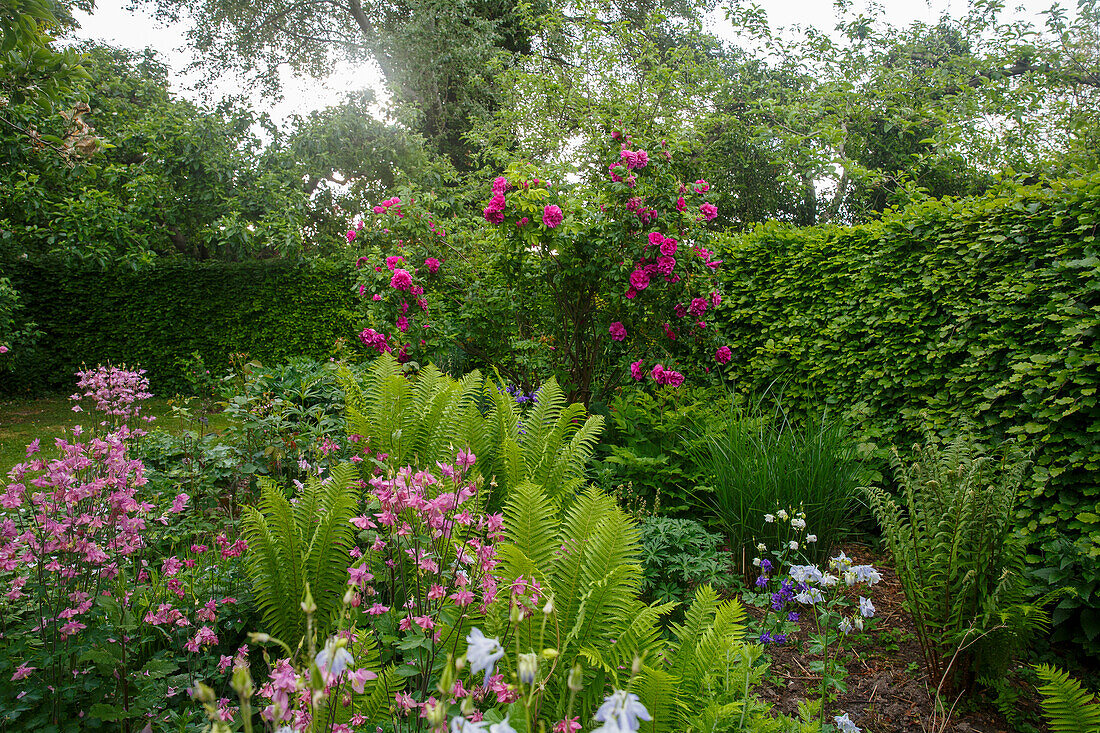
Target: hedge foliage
{"points": [[980, 312], [156, 316]]}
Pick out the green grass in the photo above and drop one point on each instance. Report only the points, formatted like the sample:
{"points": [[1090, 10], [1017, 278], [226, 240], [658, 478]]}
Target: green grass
{"points": [[21, 421]]}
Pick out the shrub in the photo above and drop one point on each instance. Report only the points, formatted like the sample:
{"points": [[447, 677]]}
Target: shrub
{"points": [[978, 309]]}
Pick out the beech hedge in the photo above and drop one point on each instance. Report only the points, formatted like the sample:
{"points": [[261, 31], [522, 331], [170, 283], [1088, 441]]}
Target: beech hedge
{"points": [[975, 314], [158, 315]]}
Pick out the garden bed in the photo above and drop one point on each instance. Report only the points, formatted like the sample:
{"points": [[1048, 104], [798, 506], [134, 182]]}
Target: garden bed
{"points": [[887, 687]]}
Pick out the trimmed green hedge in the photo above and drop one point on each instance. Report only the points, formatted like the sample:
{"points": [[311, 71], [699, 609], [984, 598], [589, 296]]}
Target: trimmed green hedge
{"points": [[158, 315], [981, 311]]}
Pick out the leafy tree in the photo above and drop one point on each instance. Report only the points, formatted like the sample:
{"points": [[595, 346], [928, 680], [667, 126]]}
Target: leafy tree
{"points": [[173, 180], [437, 57]]}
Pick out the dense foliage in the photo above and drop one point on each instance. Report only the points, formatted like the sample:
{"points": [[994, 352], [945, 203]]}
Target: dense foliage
{"points": [[157, 317], [980, 311]]}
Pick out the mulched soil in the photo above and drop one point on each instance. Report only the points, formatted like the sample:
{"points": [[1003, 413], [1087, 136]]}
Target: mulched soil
{"points": [[887, 688]]}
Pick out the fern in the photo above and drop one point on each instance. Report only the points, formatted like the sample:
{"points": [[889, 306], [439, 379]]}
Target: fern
{"points": [[309, 543], [1068, 707], [419, 420], [959, 557]]}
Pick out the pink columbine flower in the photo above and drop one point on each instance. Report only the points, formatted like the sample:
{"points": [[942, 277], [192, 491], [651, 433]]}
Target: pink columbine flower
{"points": [[22, 672]]}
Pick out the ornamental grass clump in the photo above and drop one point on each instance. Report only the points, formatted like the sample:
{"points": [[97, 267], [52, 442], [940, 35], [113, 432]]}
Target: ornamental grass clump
{"points": [[755, 461]]}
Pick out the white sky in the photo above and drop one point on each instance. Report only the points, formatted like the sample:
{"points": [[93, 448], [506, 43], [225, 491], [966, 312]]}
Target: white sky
{"points": [[114, 24]]}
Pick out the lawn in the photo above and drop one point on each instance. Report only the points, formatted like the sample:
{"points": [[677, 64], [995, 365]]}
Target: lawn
{"points": [[21, 421]]}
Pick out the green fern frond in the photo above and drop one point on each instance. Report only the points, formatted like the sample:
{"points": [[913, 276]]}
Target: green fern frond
{"points": [[530, 521], [655, 688], [273, 562], [290, 547], [1068, 707]]}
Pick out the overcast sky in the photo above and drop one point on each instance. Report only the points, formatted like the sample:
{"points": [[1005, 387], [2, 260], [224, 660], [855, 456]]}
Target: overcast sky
{"points": [[115, 25]]}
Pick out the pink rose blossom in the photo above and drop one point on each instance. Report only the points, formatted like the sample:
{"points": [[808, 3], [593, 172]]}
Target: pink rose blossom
{"points": [[552, 216], [617, 331], [401, 279], [723, 355], [709, 211], [637, 371], [639, 280]]}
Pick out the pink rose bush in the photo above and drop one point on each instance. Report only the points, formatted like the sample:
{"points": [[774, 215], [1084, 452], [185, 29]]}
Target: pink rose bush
{"points": [[635, 252], [404, 263]]}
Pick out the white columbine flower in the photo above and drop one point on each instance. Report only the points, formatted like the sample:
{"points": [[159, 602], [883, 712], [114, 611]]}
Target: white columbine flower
{"points": [[866, 608], [794, 544], [620, 713], [846, 625], [810, 597], [782, 514], [811, 538], [841, 562], [459, 724], [866, 574], [482, 653], [845, 725], [769, 518], [502, 727], [756, 562], [761, 547], [828, 581], [798, 523], [858, 621], [333, 659]]}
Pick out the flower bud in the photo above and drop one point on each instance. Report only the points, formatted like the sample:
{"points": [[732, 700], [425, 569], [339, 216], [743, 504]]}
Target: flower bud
{"points": [[308, 605], [636, 667], [436, 714], [242, 682], [257, 638], [550, 654], [549, 607], [528, 667], [203, 693], [575, 681]]}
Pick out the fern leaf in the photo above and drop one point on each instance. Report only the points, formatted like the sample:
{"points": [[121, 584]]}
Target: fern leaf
{"points": [[1068, 707]]}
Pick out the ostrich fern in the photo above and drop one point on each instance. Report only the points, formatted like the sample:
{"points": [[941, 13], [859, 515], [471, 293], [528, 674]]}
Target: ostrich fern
{"points": [[309, 542], [423, 419], [584, 553], [1068, 707], [959, 557]]}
